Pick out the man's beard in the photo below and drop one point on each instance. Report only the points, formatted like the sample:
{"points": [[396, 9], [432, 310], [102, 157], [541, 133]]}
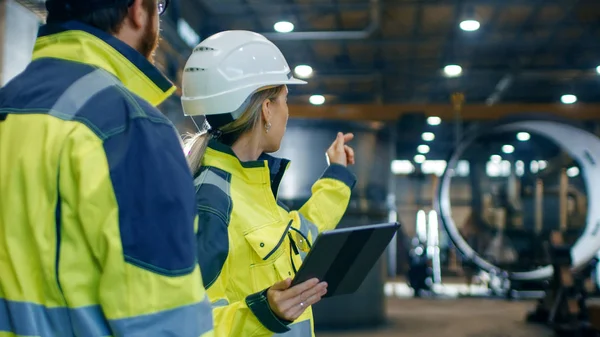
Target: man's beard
{"points": [[149, 41]]}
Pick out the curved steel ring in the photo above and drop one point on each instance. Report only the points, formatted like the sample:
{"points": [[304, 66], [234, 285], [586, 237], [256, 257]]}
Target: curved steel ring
{"points": [[584, 147]]}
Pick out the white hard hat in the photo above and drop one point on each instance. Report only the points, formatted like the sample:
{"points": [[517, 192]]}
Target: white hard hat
{"points": [[227, 68]]}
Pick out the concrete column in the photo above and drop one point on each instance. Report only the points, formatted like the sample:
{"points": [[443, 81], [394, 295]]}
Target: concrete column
{"points": [[18, 30]]}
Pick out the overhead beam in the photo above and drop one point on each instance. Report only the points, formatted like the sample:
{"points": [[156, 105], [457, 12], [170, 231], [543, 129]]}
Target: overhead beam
{"points": [[374, 112]]}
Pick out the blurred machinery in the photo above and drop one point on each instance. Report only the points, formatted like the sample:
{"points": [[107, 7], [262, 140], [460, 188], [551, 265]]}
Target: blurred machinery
{"points": [[507, 214]]}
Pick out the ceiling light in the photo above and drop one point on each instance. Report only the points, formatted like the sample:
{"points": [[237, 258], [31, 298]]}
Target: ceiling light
{"points": [[428, 136], [573, 172], [523, 136], [452, 70], [402, 167], [316, 99], [598, 69], [568, 99], [423, 149], [508, 149], [419, 159], [470, 25], [283, 27], [434, 120], [496, 158], [303, 71]]}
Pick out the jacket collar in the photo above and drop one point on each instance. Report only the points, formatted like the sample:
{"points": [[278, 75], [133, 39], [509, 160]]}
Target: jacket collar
{"points": [[267, 169], [75, 41]]}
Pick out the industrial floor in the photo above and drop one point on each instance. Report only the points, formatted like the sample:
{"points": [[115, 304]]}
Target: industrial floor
{"points": [[453, 318]]}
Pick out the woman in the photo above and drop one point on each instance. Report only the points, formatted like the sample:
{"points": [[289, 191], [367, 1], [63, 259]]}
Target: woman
{"points": [[249, 246]]}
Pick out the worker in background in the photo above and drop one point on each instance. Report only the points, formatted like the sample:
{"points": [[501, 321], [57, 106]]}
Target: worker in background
{"points": [[249, 245], [97, 209]]}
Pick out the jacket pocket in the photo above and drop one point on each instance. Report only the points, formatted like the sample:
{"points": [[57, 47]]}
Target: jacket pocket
{"points": [[271, 261]]}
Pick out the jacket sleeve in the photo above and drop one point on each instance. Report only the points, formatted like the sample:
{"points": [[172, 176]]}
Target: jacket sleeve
{"points": [[329, 201], [252, 316], [135, 203]]}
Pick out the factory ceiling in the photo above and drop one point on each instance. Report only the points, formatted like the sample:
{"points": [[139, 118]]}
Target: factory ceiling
{"points": [[380, 59]]}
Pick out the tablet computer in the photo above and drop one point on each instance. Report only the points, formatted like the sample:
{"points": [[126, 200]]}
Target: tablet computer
{"points": [[343, 257]]}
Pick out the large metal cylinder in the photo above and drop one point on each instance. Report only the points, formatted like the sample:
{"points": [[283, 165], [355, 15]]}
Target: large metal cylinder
{"points": [[581, 145], [305, 144]]}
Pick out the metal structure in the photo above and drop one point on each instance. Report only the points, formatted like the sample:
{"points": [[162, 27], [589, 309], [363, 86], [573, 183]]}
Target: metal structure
{"points": [[582, 146]]}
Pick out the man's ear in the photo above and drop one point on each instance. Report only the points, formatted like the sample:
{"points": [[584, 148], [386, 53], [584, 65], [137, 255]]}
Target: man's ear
{"points": [[266, 110], [138, 14]]}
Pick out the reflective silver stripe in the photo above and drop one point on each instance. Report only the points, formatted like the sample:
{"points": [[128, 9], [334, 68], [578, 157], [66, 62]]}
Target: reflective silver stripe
{"points": [[188, 321], [220, 303], [301, 329], [80, 92], [307, 227], [30, 319], [211, 178]]}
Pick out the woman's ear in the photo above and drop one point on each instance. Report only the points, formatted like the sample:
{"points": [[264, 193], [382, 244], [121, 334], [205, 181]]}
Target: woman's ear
{"points": [[266, 110]]}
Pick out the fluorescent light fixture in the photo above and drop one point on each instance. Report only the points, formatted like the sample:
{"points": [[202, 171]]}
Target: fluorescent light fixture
{"points": [[419, 159], [283, 27], [303, 71], [520, 168], [187, 33], [523, 136], [452, 70], [436, 167], [568, 99], [534, 166], [542, 164], [434, 120], [402, 167], [423, 149], [463, 168], [422, 226], [470, 25], [316, 99], [428, 136], [508, 148], [492, 169], [573, 172], [496, 158]]}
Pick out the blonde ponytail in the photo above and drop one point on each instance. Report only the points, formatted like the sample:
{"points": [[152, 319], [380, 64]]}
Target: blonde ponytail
{"points": [[195, 147]]}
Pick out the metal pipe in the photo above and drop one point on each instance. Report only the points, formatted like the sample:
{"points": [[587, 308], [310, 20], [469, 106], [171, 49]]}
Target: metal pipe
{"points": [[562, 197], [539, 203], [375, 13], [392, 208]]}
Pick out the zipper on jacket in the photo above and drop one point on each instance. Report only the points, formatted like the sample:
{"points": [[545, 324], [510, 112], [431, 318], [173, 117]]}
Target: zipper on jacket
{"points": [[280, 240]]}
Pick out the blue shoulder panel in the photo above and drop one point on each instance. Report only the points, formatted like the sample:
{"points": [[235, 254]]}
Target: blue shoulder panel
{"points": [[31, 92], [155, 195], [214, 207], [150, 177]]}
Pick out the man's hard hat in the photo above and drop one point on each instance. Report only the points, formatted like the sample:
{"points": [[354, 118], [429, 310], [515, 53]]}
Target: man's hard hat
{"points": [[226, 69]]}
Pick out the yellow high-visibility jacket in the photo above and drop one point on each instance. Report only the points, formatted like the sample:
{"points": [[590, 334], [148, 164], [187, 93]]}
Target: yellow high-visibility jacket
{"points": [[97, 211], [247, 241]]}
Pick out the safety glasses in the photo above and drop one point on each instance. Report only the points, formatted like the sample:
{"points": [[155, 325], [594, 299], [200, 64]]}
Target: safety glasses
{"points": [[161, 5]]}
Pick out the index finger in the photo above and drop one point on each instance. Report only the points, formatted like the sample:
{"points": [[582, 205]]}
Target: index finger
{"points": [[348, 137], [299, 289]]}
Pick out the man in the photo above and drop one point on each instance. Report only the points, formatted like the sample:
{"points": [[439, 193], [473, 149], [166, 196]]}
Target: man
{"points": [[97, 213]]}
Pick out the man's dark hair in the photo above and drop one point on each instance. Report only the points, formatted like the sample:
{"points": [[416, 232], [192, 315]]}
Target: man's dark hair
{"points": [[106, 18]]}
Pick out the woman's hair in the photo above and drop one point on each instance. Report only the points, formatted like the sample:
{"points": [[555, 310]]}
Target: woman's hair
{"points": [[230, 133]]}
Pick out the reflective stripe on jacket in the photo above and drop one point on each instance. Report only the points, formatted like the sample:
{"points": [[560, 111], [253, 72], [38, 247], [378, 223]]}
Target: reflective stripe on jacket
{"points": [[247, 241], [97, 212]]}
